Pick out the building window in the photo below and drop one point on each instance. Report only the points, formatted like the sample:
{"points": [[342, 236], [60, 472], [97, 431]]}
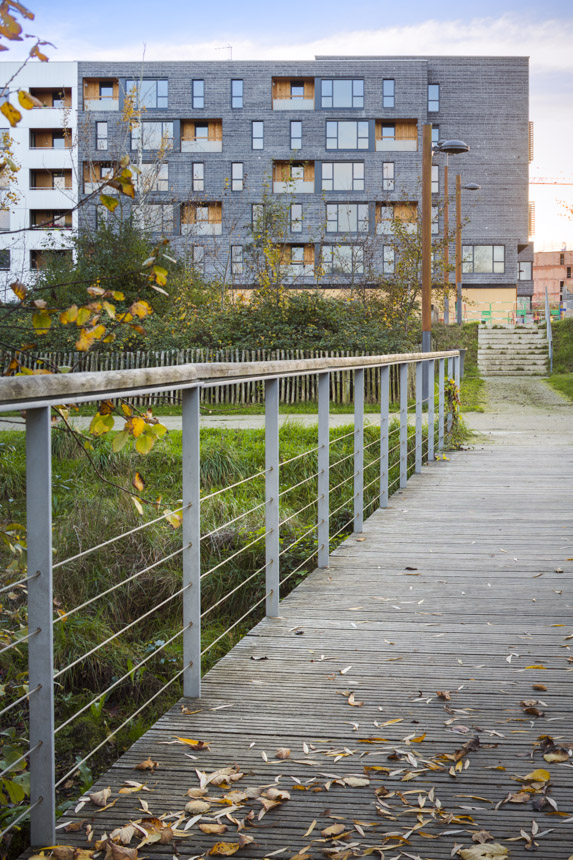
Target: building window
{"points": [[435, 179], [435, 134], [58, 140], [156, 218], [237, 174], [101, 135], [483, 259], [343, 176], [388, 260], [236, 259], [4, 219], [296, 134], [296, 218], [5, 259], [258, 134], [435, 220], [198, 256], [147, 94], [297, 89], [433, 98], [198, 96], [524, 271], [152, 135], [236, 93], [568, 271], [343, 260], [297, 255], [106, 89], [343, 93], [388, 93], [561, 259], [347, 135], [198, 176], [388, 176], [154, 177], [346, 217], [257, 215]]}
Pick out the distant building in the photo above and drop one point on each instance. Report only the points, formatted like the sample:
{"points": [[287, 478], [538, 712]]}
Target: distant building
{"points": [[337, 140], [553, 270]]}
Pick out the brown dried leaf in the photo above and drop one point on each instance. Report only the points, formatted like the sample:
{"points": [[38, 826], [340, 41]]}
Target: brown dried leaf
{"points": [[539, 687], [217, 829], [148, 764], [333, 831], [197, 807], [123, 835], [444, 694], [482, 836], [283, 753], [557, 754], [352, 701], [119, 852], [224, 849], [356, 781], [197, 792], [492, 851], [195, 745], [100, 798], [277, 794]]}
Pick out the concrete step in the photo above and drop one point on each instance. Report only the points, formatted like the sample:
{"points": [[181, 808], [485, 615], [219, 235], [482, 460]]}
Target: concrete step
{"points": [[514, 373]]}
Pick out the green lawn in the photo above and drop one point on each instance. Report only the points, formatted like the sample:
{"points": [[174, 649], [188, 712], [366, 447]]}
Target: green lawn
{"points": [[562, 382]]}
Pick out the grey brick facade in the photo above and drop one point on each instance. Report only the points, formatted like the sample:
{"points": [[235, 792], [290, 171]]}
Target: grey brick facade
{"points": [[482, 100]]}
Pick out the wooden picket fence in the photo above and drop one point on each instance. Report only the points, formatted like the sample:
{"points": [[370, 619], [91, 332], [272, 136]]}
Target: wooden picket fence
{"points": [[296, 389]]}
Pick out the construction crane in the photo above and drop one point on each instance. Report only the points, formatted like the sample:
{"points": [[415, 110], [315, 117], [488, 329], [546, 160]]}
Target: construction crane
{"points": [[549, 180]]}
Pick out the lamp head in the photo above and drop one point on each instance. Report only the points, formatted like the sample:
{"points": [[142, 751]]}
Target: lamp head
{"points": [[452, 147], [472, 186]]}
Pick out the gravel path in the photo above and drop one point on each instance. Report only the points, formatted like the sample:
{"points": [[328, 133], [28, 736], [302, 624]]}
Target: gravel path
{"points": [[519, 409]]}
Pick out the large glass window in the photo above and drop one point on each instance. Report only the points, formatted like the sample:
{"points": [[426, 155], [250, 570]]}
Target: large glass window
{"points": [[198, 94], [483, 259], [388, 93], [343, 259], [388, 176], [198, 255], [258, 134], [433, 97], [152, 135], [435, 178], [296, 134], [524, 271], [297, 89], [101, 135], [435, 219], [157, 218], [236, 93], [338, 93], [237, 176], [346, 217], [347, 135], [198, 176], [435, 134], [5, 260], [148, 93], [154, 177], [343, 176], [388, 260], [106, 89]]}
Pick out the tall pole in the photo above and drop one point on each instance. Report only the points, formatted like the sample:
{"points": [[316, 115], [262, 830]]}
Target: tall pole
{"points": [[459, 249], [446, 247], [427, 238]]}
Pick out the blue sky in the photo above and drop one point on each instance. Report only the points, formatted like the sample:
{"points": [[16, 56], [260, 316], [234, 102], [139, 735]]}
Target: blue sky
{"points": [[176, 30]]}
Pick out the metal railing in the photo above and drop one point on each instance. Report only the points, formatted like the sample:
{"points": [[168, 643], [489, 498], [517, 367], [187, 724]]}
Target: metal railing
{"points": [[337, 504]]}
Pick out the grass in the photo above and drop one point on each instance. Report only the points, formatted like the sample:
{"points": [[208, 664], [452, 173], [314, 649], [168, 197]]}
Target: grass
{"points": [[563, 383], [87, 512], [563, 345]]}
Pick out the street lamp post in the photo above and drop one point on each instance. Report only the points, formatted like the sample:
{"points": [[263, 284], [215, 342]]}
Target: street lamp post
{"points": [[471, 186]]}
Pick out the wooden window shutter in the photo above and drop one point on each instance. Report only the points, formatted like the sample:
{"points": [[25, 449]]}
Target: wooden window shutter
{"points": [[309, 255]]}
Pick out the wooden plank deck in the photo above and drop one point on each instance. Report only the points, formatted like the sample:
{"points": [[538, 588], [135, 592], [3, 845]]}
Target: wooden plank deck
{"points": [[456, 587]]}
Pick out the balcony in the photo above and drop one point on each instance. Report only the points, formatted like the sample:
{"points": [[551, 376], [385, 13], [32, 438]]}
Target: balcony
{"points": [[387, 214], [97, 174], [50, 180], [201, 219], [52, 97], [399, 136], [293, 177], [297, 262], [50, 138], [101, 94], [202, 135], [293, 93], [45, 219]]}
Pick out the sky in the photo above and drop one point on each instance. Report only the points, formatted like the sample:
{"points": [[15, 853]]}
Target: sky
{"points": [[257, 30]]}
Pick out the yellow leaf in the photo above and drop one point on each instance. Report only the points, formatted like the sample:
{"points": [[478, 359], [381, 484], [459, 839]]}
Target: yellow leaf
{"points": [[174, 520], [126, 409], [138, 482], [19, 290], [196, 745], [28, 101], [110, 309], [101, 424], [109, 202], [536, 666], [224, 849], [11, 113], [137, 504], [539, 775], [136, 425], [69, 315], [41, 322], [120, 440], [144, 443], [141, 309], [82, 316]]}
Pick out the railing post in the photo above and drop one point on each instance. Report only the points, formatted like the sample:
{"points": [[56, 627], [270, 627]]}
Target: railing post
{"points": [[457, 364], [358, 450], [441, 369], [40, 618], [191, 536], [403, 425], [323, 512], [272, 496], [420, 367], [430, 411], [384, 422]]}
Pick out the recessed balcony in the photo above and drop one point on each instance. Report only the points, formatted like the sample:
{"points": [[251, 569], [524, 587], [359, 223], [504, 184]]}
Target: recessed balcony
{"points": [[398, 136], [387, 213], [293, 93], [293, 177], [52, 97], [50, 180], [45, 219], [202, 135], [101, 94], [202, 219]]}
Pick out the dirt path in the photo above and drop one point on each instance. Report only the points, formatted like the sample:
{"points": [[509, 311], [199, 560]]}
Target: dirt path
{"points": [[519, 409]]}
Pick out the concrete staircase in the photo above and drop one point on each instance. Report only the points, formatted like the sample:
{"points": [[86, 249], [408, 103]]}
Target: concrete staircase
{"points": [[513, 351]]}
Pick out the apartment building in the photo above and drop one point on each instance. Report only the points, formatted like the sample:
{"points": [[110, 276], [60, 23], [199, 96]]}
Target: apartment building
{"points": [[38, 222], [553, 271], [334, 144]]}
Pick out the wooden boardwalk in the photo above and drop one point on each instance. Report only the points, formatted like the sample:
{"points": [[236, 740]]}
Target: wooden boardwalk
{"points": [[463, 585]]}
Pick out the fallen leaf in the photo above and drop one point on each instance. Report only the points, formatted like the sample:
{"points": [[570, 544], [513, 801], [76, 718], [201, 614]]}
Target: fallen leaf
{"points": [[148, 764], [124, 835], [197, 807], [283, 753], [558, 754], [100, 797], [224, 849], [492, 851], [352, 701], [119, 852], [540, 687], [444, 694], [196, 745], [218, 829], [333, 831], [482, 836], [539, 775], [356, 781]]}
